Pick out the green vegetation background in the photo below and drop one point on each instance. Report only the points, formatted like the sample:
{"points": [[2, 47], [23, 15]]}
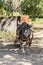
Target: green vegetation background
{"points": [[29, 7]]}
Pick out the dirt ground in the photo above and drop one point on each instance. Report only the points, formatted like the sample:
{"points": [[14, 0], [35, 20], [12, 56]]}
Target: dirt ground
{"points": [[11, 55]]}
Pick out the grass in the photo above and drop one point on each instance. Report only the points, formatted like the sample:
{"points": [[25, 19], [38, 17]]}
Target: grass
{"points": [[37, 21], [8, 34]]}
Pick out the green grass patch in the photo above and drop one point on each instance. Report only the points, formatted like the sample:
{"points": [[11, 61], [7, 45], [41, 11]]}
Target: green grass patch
{"points": [[8, 34], [37, 21]]}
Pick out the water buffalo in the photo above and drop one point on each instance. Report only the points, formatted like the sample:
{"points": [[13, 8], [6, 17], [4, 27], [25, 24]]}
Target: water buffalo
{"points": [[25, 34]]}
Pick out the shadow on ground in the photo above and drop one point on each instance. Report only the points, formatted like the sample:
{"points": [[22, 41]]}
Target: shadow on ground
{"points": [[12, 55]]}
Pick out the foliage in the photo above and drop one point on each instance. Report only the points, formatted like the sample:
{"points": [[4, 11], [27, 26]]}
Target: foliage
{"points": [[1, 4], [31, 7], [5, 8], [8, 8], [28, 7]]}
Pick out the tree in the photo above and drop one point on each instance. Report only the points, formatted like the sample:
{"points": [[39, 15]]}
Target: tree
{"points": [[1, 6], [5, 7], [31, 7], [8, 8]]}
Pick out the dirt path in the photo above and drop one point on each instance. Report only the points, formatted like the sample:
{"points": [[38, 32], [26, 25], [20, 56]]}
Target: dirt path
{"points": [[9, 55], [13, 56]]}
